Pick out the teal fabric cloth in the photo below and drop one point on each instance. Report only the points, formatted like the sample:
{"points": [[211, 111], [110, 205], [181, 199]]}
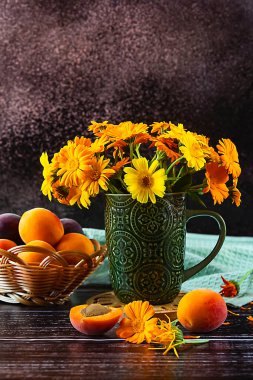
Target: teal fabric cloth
{"points": [[233, 261]]}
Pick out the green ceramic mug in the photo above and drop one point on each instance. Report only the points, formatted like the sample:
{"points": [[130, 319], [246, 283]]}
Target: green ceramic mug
{"points": [[146, 246]]}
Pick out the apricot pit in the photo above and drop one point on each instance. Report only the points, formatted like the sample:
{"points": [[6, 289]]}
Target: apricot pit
{"points": [[94, 319]]}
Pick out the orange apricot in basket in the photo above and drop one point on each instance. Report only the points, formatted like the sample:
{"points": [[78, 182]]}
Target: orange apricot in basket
{"points": [[41, 243], [40, 224], [94, 319], [202, 310], [7, 244], [36, 257], [75, 242]]}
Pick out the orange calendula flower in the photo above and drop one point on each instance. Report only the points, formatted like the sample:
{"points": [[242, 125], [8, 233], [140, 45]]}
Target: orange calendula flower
{"points": [[142, 138], [125, 130], [217, 177], [120, 164], [97, 176], [230, 288], [98, 128], [167, 145], [236, 196], [138, 324], [98, 145], [80, 141], [119, 147], [229, 157], [213, 155], [160, 127], [250, 318], [72, 160]]}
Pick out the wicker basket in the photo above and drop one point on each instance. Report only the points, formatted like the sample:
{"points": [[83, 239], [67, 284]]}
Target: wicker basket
{"points": [[50, 282]]}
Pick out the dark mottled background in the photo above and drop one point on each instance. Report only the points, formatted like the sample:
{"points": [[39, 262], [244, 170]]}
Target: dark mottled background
{"points": [[64, 63]]}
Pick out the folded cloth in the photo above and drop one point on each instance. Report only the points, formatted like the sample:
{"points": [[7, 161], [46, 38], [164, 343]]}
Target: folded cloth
{"points": [[233, 261]]}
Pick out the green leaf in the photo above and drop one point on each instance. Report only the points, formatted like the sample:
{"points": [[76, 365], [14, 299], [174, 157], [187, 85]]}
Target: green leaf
{"points": [[196, 198], [195, 341], [183, 183]]}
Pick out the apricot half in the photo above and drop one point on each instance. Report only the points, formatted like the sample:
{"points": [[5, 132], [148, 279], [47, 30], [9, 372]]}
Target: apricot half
{"points": [[202, 310], [94, 319]]}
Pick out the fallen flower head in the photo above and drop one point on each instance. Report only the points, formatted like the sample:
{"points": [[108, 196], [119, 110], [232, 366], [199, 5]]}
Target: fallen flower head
{"points": [[230, 288], [139, 325]]}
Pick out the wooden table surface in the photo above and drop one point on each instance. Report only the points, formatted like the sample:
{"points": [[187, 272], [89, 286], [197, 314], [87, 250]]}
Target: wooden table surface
{"points": [[40, 343]]}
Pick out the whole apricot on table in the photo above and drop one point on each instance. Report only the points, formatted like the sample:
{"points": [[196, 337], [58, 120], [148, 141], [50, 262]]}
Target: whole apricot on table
{"points": [[202, 310], [35, 258], [75, 242], [9, 223], [94, 319], [40, 224]]}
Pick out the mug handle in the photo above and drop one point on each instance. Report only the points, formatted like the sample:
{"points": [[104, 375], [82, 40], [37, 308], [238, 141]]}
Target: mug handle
{"points": [[188, 273]]}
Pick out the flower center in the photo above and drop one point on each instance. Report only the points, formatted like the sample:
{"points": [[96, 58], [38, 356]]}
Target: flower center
{"points": [[138, 325], [72, 164], [95, 175], [146, 181]]}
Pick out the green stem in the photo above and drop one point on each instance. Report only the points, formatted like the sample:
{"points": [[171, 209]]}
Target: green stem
{"points": [[173, 164], [180, 172], [137, 150], [245, 276], [197, 186], [113, 189]]}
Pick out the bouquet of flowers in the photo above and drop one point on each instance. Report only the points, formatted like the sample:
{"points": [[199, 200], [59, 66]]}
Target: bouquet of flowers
{"points": [[143, 160]]}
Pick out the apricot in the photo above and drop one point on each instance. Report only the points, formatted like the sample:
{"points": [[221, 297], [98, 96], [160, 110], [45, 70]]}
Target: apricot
{"points": [[9, 227], [94, 319], [40, 224], [7, 244], [202, 310], [41, 243], [71, 225], [36, 257], [75, 242]]}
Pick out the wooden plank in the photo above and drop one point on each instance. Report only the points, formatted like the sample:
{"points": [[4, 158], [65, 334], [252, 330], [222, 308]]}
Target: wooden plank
{"points": [[77, 360]]}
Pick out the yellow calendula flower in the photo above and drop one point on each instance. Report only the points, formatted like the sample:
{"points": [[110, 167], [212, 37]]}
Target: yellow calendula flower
{"points": [[46, 187], [177, 132], [145, 182], [192, 152], [72, 160], [96, 175], [79, 196], [138, 324], [229, 157]]}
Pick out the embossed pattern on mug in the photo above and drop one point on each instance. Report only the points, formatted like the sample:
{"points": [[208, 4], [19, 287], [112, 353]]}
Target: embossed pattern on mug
{"points": [[146, 245]]}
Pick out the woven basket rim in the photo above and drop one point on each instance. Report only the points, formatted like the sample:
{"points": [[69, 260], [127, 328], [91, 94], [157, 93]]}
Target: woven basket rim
{"points": [[51, 282]]}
